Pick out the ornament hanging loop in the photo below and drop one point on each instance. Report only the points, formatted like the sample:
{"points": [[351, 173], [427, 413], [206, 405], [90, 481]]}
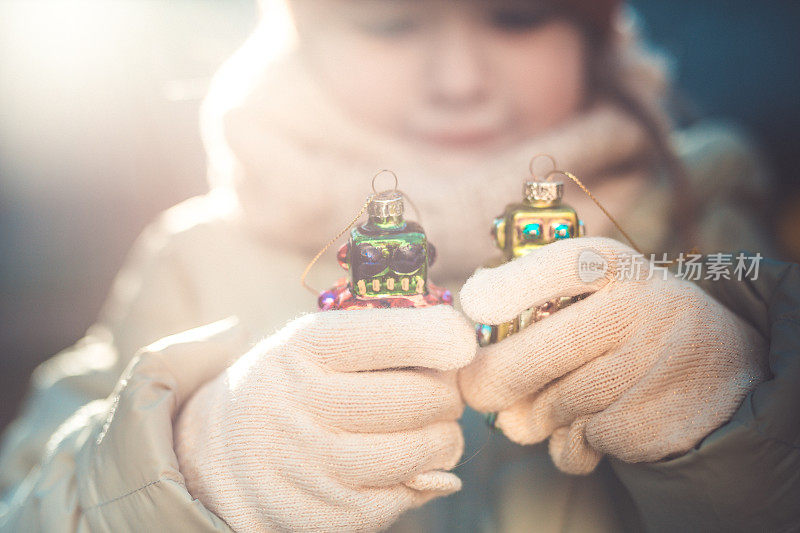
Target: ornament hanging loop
{"points": [[396, 185], [380, 172], [533, 160]]}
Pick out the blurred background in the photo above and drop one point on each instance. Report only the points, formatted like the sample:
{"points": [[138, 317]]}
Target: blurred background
{"points": [[99, 133]]}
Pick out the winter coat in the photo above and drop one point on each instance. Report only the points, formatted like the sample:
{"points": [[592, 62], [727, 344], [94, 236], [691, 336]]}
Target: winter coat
{"points": [[92, 448]]}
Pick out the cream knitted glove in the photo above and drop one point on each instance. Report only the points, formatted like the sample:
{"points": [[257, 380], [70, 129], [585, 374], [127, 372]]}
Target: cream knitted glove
{"points": [[640, 370], [340, 421]]}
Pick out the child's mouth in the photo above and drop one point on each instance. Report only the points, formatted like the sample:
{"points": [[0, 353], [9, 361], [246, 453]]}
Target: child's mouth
{"points": [[461, 139]]}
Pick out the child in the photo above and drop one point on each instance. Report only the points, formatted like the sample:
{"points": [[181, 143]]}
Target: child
{"points": [[315, 427]]}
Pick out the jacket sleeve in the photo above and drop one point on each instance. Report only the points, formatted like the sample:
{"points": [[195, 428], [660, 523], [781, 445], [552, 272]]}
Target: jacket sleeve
{"points": [[730, 184], [111, 465], [149, 300], [745, 476]]}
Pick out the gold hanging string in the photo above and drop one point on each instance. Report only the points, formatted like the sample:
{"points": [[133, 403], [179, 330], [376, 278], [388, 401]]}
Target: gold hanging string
{"points": [[329, 244], [583, 187], [478, 451]]}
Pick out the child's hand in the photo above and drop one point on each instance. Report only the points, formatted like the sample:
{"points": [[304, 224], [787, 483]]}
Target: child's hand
{"points": [[340, 421], [640, 370]]}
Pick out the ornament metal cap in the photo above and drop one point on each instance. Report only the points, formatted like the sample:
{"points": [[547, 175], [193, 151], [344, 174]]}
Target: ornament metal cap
{"points": [[543, 191], [387, 204]]}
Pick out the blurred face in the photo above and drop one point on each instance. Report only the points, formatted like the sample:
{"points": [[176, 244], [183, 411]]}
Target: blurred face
{"points": [[459, 75]]}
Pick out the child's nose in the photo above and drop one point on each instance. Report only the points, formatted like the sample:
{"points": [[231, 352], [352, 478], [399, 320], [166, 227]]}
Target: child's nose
{"points": [[457, 70]]}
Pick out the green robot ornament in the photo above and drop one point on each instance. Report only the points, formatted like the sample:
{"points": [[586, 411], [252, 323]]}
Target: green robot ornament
{"points": [[387, 259]]}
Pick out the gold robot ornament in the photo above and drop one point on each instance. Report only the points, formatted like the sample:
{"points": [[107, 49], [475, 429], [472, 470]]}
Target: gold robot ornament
{"points": [[540, 218]]}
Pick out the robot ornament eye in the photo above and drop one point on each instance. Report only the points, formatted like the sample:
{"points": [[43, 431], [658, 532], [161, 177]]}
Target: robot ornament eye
{"points": [[561, 231], [407, 258], [532, 232], [370, 261]]}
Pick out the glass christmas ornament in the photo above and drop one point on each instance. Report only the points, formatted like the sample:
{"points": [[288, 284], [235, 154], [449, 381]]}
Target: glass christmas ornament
{"points": [[541, 218], [387, 259]]}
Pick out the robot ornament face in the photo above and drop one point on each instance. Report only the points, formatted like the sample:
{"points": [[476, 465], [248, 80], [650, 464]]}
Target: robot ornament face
{"points": [[389, 264], [540, 219]]}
